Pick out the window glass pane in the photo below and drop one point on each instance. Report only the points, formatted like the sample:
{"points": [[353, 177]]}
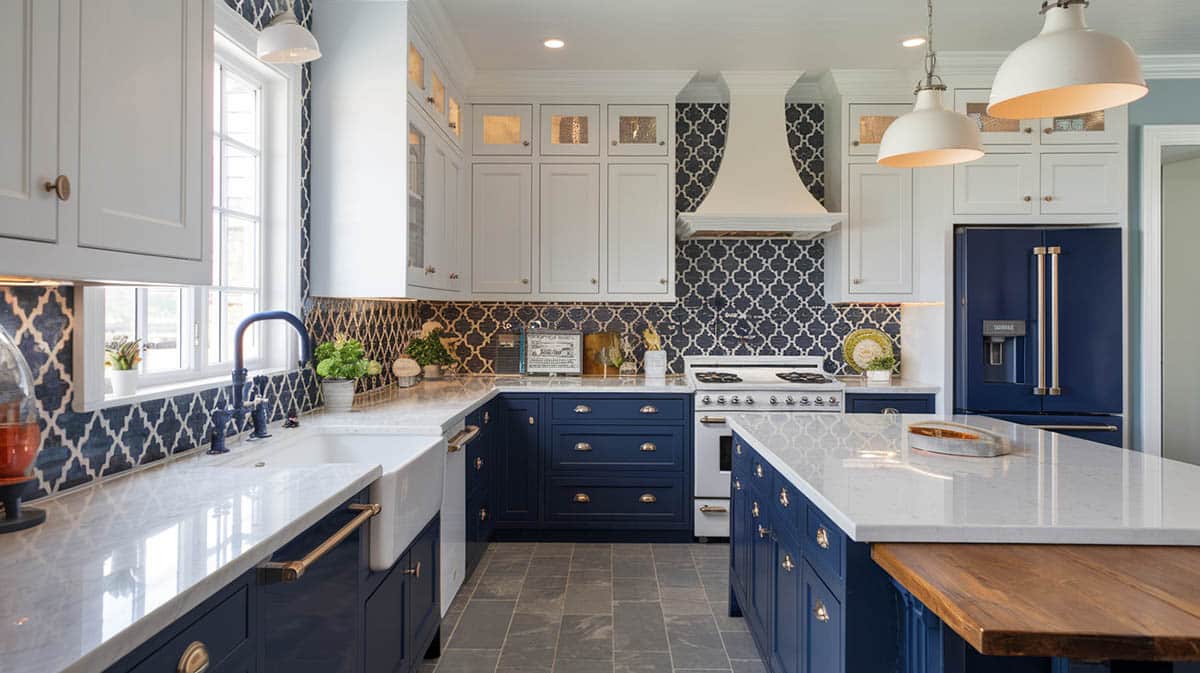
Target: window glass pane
{"points": [[439, 93], [213, 356], [237, 306], [416, 67], [502, 129], [217, 257], [638, 130], [218, 76], [164, 329], [120, 313], [568, 130], [871, 128], [241, 110], [240, 183], [989, 124], [240, 251]]}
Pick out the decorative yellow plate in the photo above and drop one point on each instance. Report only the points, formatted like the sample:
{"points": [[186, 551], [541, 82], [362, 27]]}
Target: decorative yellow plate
{"points": [[863, 345]]}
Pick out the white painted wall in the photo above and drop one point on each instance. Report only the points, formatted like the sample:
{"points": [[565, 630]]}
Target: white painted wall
{"points": [[1181, 320]]}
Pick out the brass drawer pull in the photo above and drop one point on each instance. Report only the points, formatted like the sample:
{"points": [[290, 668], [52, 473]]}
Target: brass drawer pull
{"points": [[459, 441], [194, 659], [758, 471], [787, 564], [292, 571], [649, 409], [763, 532], [583, 446], [648, 499], [582, 498], [822, 537], [415, 571], [783, 498], [754, 510], [820, 611], [583, 409], [890, 411], [531, 421], [737, 447], [648, 447], [479, 463], [713, 509], [737, 484], [483, 515]]}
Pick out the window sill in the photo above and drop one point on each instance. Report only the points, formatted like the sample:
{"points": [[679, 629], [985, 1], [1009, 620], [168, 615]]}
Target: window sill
{"points": [[173, 389]]}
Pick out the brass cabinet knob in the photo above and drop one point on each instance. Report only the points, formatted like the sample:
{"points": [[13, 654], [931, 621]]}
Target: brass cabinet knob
{"points": [[582, 498], [754, 510], [737, 484], [524, 281], [648, 499], [415, 571], [762, 531], [430, 269], [820, 611], [614, 143], [487, 417], [783, 498], [595, 281], [855, 143], [194, 659], [453, 276], [788, 565], [61, 186], [1048, 130], [662, 281], [649, 447], [479, 463], [1028, 130], [483, 515], [1028, 199], [583, 409], [662, 143], [649, 409], [583, 446], [531, 421], [1048, 199], [738, 448], [429, 99], [525, 143], [822, 537], [758, 471]]}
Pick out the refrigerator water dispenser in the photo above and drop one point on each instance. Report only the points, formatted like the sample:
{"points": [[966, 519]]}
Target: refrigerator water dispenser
{"points": [[1003, 351]]}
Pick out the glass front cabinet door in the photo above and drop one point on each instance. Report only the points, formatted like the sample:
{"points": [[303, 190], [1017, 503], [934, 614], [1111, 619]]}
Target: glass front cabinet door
{"points": [[503, 129], [1082, 129], [418, 79], [974, 102], [867, 124], [417, 162], [570, 130], [639, 130]]}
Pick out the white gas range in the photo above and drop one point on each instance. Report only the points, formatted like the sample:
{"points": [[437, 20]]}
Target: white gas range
{"points": [[745, 384]]}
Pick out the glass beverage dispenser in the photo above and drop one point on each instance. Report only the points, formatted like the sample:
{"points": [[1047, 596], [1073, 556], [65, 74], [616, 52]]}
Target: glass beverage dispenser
{"points": [[20, 437]]}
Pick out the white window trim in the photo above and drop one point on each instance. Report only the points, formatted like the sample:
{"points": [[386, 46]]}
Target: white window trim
{"points": [[236, 39]]}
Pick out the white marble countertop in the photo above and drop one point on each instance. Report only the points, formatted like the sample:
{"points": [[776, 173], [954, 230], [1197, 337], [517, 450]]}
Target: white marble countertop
{"points": [[898, 386], [1053, 489], [118, 562]]}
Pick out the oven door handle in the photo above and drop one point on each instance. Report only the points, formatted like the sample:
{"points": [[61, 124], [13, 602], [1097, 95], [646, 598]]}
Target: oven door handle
{"points": [[712, 420]]}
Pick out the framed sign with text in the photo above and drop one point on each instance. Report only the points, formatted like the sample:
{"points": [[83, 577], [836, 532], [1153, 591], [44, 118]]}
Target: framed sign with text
{"points": [[550, 352]]}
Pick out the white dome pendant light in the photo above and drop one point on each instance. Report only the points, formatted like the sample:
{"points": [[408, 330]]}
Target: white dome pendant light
{"points": [[284, 40], [930, 135], [1068, 69]]}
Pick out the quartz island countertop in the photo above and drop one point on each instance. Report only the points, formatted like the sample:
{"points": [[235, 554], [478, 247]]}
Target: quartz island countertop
{"points": [[1054, 489]]}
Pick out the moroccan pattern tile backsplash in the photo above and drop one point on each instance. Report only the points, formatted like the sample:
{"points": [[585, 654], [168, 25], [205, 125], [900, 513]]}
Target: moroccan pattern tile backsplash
{"points": [[733, 297]]}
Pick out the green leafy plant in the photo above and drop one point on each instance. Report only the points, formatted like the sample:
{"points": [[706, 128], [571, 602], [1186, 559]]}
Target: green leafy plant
{"points": [[345, 358], [123, 354], [429, 350], [882, 364]]}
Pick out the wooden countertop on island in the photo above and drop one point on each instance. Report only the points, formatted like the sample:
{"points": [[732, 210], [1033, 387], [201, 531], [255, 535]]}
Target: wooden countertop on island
{"points": [[1078, 601]]}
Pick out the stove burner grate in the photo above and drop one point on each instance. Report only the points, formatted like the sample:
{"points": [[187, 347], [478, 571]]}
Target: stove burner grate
{"points": [[717, 377], [803, 377]]}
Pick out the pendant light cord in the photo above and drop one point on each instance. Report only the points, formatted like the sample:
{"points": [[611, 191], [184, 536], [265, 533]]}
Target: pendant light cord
{"points": [[932, 81]]}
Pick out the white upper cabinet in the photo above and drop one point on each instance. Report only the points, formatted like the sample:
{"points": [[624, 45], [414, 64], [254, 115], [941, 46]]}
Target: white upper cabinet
{"points": [[880, 230], [454, 257], [569, 234], [973, 103], [503, 129], [639, 130], [641, 234], [28, 119], [867, 124], [1081, 184], [502, 228], [572, 130], [997, 184]]}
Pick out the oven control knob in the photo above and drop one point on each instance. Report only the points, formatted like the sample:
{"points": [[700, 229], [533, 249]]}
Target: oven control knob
{"points": [[721, 399], [820, 401], [734, 400], [804, 401], [749, 400], [774, 400], [707, 400], [833, 401], [789, 401]]}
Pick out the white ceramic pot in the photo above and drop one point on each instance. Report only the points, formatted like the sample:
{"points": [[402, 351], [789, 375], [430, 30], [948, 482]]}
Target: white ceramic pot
{"points": [[877, 376], [432, 372], [339, 394], [656, 364], [124, 383]]}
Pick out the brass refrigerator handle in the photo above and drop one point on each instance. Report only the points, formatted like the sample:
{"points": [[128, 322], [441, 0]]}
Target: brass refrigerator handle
{"points": [[459, 441], [1040, 253], [292, 571], [1054, 252], [1099, 427]]}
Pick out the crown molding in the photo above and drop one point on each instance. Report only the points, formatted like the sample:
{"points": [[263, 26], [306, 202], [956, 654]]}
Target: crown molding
{"points": [[430, 20], [590, 84], [704, 89], [964, 64], [760, 82], [878, 84]]}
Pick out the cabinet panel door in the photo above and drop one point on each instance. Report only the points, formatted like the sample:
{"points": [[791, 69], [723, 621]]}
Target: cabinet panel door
{"points": [[418, 70], [385, 647], [502, 233], [1081, 184], [28, 119], [867, 124], [995, 131], [517, 452], [423, 583], [762, 562], [426, 234], [741, 525], [144, 120], [880, 230], [789, 606], [639, 130], [641, 235], [570, 228], [452, 257], [503, 129], [570, 130], [997, 184], [822, 647]]}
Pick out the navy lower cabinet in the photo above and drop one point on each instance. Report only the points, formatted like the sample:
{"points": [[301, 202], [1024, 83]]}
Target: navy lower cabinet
{"points": [[879, 403], [517, 449], [480, 488]]}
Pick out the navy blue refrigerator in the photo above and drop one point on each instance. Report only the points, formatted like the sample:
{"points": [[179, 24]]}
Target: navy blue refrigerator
{"points": [[1039, 328]]}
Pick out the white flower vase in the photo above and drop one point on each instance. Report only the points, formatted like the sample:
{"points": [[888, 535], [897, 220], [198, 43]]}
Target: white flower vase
{"points": [[656, 364], [879, 376], [339, 394], [124, 382]]}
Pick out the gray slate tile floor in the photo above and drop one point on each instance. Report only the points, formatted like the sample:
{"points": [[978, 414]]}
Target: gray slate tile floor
{"points": [[596, 608]]}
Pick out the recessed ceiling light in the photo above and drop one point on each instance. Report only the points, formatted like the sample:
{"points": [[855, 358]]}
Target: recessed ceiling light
{"points": [[911, 42], [554, 43]]}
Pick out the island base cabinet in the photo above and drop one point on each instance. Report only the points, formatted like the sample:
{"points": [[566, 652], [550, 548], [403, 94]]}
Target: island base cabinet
{"points": [[821, 642], [401, 615]]}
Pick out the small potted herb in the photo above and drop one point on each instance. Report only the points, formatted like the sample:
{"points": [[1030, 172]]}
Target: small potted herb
{"points": [[340, 363], [121, 358], [430, 353], [880, 369]]}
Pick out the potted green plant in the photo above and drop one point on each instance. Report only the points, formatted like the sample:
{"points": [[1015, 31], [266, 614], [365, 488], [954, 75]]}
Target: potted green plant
{"points": [[430, 353], [880, 369], [121, 358], [340, 363]]}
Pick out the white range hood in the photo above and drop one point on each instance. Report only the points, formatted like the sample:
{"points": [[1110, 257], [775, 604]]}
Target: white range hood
{"points": [[757, 193]]}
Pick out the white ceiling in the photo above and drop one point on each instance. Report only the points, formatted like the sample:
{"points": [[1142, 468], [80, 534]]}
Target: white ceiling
{"points": [[810, 35]]}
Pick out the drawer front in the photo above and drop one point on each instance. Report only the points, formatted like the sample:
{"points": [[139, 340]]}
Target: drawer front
{"points": [[822, 645], [222, 630], [618, 408], [646, 500], [788, 505], [878, 404], [825, 547], [590, 447]]}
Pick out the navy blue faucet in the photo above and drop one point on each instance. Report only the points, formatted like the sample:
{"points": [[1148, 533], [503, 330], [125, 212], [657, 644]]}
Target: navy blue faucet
{"points": [[221, 417]]}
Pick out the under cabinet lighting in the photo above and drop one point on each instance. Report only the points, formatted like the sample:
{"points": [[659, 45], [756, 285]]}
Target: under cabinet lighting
{"points": [[554, 43], [912, 42]]}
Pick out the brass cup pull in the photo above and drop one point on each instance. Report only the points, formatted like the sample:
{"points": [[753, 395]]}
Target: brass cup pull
{"points": [[483, 515], [648, 499], [194, 659], [583, 446], [788, 565], [415, 571], [649, 409], [649, 447], [479, 463], [820, 611], [822, 537], [763, 532], [754, 510], [583, 409], [582, 498], [783, 498], [758, 471], [61, 186]]}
